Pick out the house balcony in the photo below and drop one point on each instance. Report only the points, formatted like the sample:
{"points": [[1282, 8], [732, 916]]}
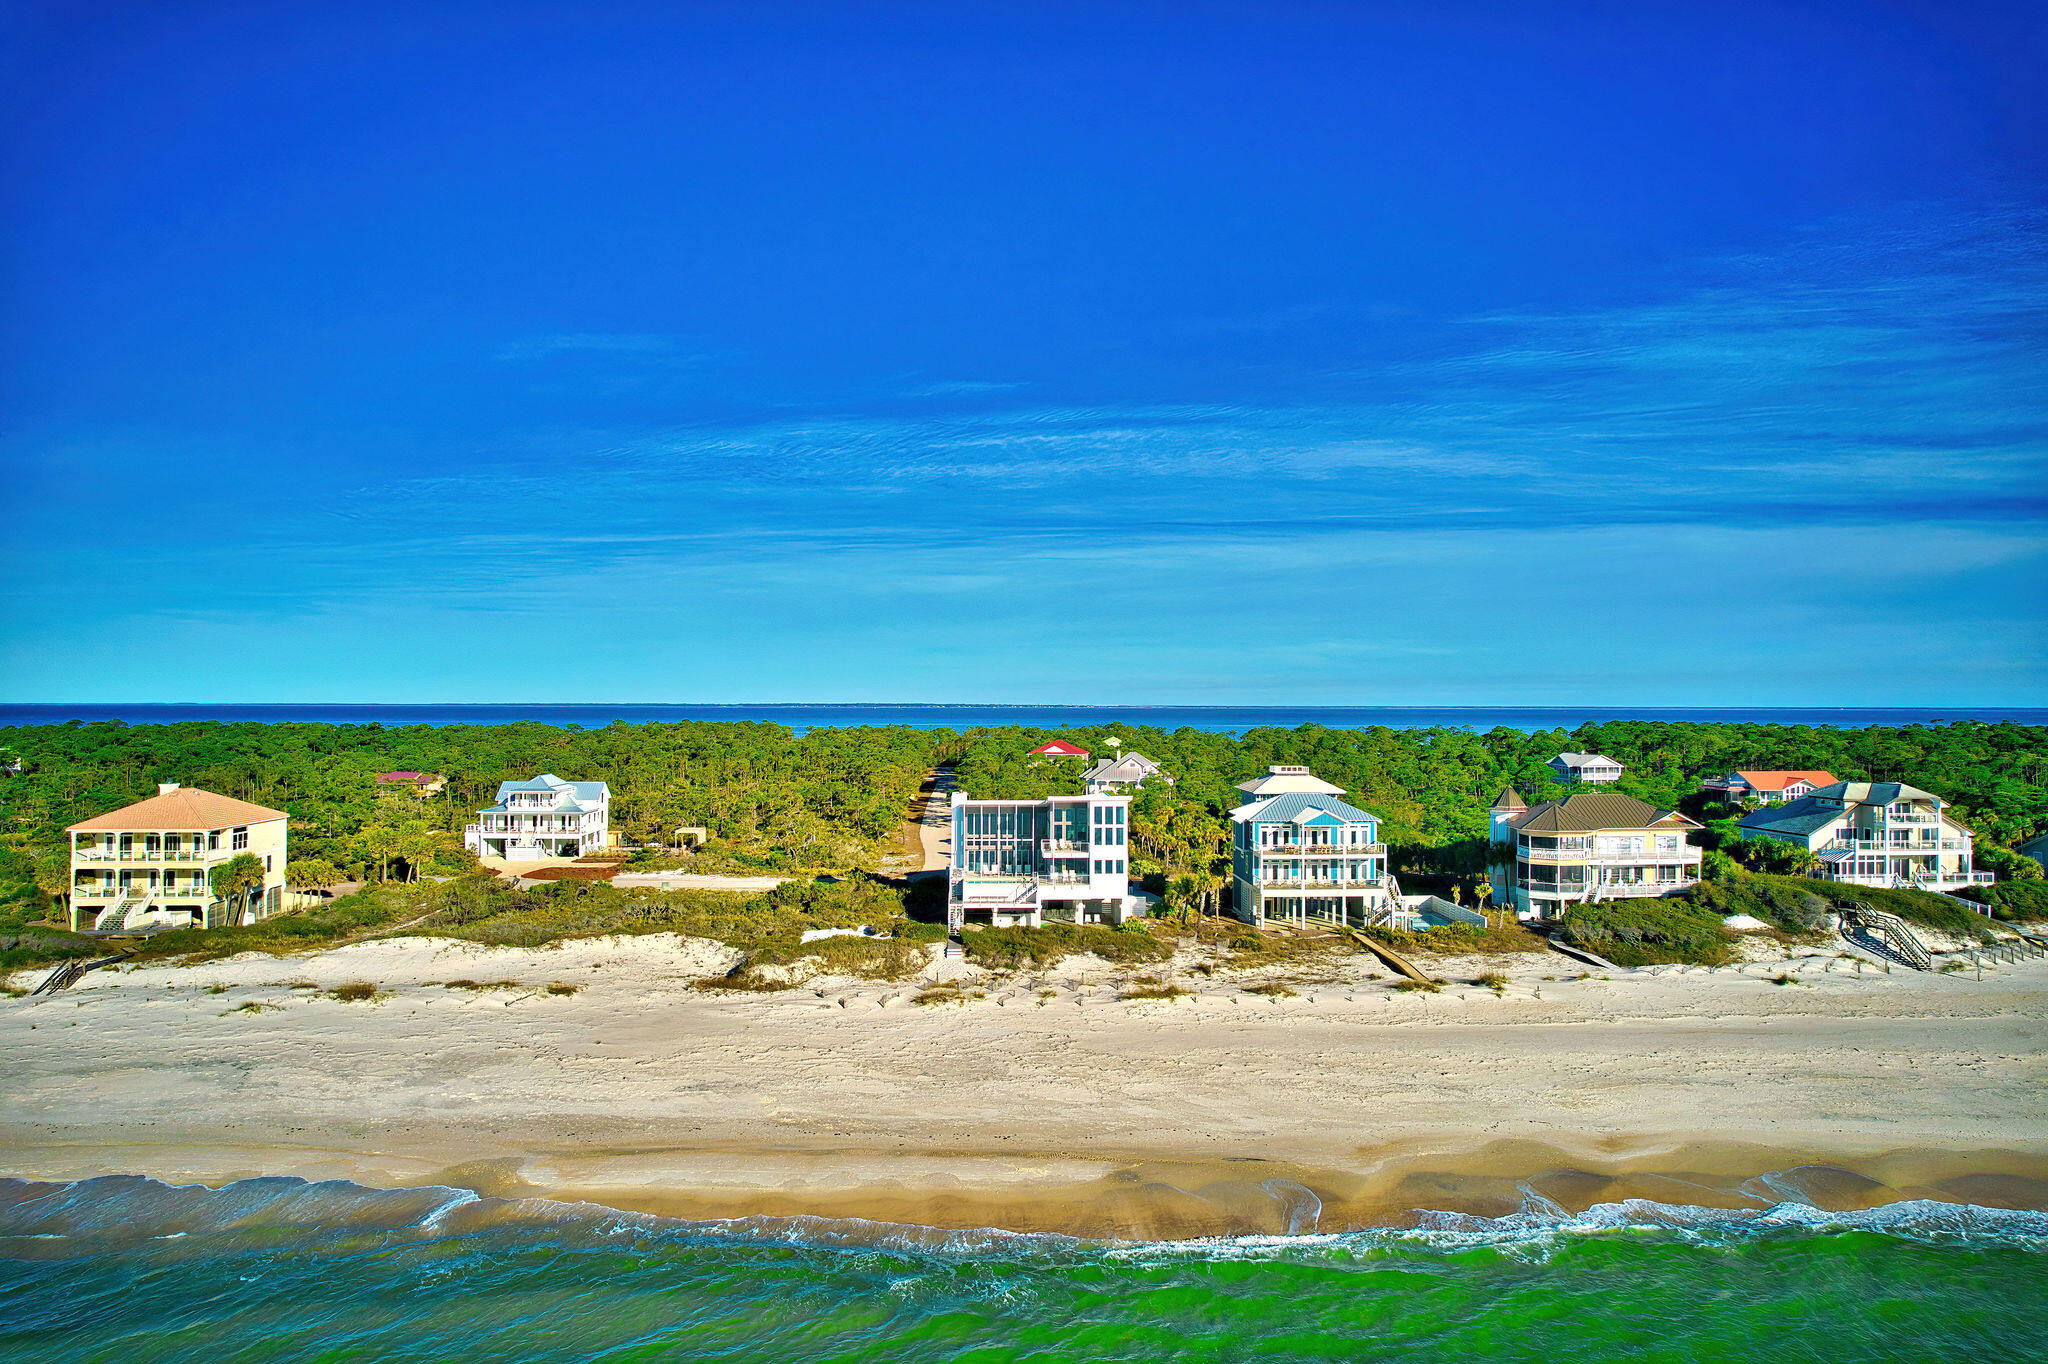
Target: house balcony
{"points": [[1062, 847], [1323, 850], [1683, 853], [80, 856]]}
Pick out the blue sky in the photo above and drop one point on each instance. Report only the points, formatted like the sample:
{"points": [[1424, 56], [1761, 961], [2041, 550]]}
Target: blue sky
{"points": [[1282, 353]]}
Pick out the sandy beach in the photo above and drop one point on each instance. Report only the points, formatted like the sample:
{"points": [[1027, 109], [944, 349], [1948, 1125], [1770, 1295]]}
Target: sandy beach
{"points": [[1043, 1101]]}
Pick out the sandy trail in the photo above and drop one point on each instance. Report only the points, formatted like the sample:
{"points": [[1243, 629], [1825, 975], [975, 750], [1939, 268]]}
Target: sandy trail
{"points": [[1046, 1101]]}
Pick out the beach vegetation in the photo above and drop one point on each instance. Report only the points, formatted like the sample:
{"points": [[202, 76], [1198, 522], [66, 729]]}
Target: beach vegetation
{"points": [[1494, 981], [1427, 987], [355, 992], [2013, 901], [1649, 932], [252, 1007], [1460, 939], [1271, 989], [475, 986], [562, 988], [1016, 949], [1153, 987]]}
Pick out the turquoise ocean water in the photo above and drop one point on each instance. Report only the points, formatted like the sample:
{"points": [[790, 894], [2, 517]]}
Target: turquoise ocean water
{"points": [[125, 1269]]}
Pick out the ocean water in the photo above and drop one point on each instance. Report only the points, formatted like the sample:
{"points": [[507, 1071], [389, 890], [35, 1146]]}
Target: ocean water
{"points": [[1218, 719], [126, 1269]]}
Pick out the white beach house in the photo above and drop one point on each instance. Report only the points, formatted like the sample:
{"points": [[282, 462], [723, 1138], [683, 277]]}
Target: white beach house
{"points": [[147, 865], [1875, 834], [1592, 846], [1585, 767], [1299, 852], [1127, 772], [1065, 859], [543, 818]]}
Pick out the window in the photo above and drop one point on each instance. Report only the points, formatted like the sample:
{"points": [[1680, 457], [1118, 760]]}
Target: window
{"points": [[213, 840], [241, 839]]}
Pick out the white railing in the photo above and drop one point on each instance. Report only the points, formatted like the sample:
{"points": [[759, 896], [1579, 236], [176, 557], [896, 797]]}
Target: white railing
{"points": [[1685, 853], [139, 855]]}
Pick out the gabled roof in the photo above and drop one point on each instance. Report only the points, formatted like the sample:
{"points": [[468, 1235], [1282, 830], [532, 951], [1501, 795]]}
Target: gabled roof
{"points": [[1294, 805], [1132, 765], [1591, 811], [592, 791], [1802, 817], [1873, 792], [1510, 799], [1584, 759], [1057, 748], [1281, 779], [1777, 781], [186, 807]]}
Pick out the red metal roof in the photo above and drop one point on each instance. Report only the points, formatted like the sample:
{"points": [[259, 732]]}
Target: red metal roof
{"points": [[1059, 748]]}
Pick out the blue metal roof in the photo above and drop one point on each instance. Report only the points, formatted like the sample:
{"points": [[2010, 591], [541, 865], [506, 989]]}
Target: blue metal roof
{"points": [[1288, 808]]}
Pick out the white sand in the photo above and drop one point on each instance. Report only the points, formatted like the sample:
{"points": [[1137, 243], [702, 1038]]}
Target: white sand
{"points": [[639, 1082]]}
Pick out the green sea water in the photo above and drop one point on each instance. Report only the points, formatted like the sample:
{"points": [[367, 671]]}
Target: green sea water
{"points": [[127, 1269]]}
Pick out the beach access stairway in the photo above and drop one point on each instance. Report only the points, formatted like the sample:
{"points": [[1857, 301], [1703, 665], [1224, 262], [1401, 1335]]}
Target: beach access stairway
{"points": [[70, 973], [1886, 934]]}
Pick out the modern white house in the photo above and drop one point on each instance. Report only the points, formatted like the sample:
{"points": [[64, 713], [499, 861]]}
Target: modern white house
{"points": [[1585, 767], [1299, 852], [1023, 863], [1881, 834], [147, 866], [1587, 847], [547, 817], [1126, 773], [1770, 787]]}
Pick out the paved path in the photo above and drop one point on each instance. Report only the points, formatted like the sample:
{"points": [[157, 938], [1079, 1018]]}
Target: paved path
{"points": [[935, 831]]}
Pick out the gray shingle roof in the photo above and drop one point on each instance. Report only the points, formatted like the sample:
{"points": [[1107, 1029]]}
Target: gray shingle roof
{"points": [[1802, 817]]}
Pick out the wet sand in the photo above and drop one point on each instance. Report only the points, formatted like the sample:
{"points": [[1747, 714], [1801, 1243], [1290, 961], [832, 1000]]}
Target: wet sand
{"points": [[1045, 1103]]}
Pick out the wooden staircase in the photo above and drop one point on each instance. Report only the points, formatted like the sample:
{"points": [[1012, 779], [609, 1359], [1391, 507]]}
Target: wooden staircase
{"points": [[1890, 931]]}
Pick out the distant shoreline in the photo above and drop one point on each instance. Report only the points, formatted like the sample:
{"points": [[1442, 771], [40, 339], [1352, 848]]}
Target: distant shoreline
{"points": [[961, 716]]}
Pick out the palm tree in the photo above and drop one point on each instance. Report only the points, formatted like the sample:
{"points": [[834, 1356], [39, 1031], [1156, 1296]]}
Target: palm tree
{"points": [[234, 882]]}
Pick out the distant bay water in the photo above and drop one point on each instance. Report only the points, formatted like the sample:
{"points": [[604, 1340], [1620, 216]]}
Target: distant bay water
{"points": [[1216, 719]]}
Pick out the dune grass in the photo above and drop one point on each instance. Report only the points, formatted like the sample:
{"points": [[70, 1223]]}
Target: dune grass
{"points": [[1013, 949]]}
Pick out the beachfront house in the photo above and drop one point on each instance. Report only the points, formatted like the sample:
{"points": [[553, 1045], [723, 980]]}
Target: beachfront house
{"points": [[2036, 848], [1874, 834], [1125, 773], [547, 817], [1597, 845], [1770, 787], [1025, 863], [1585, 767], [1057, 748], [1299, 852], [148, 866]]}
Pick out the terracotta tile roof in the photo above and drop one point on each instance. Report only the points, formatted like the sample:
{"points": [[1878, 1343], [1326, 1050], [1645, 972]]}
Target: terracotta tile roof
{"points": [[1593, 811], [185, 808]]}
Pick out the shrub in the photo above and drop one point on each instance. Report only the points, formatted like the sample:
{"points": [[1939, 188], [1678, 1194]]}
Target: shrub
{"points": [[2012, 901], [1037, 948], [1645, 932], [354, 992], [1494, 981], [1460, 939]]}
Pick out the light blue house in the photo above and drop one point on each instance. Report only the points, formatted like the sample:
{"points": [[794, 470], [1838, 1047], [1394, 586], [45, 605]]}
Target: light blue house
{"points": [[1298, 852]]}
